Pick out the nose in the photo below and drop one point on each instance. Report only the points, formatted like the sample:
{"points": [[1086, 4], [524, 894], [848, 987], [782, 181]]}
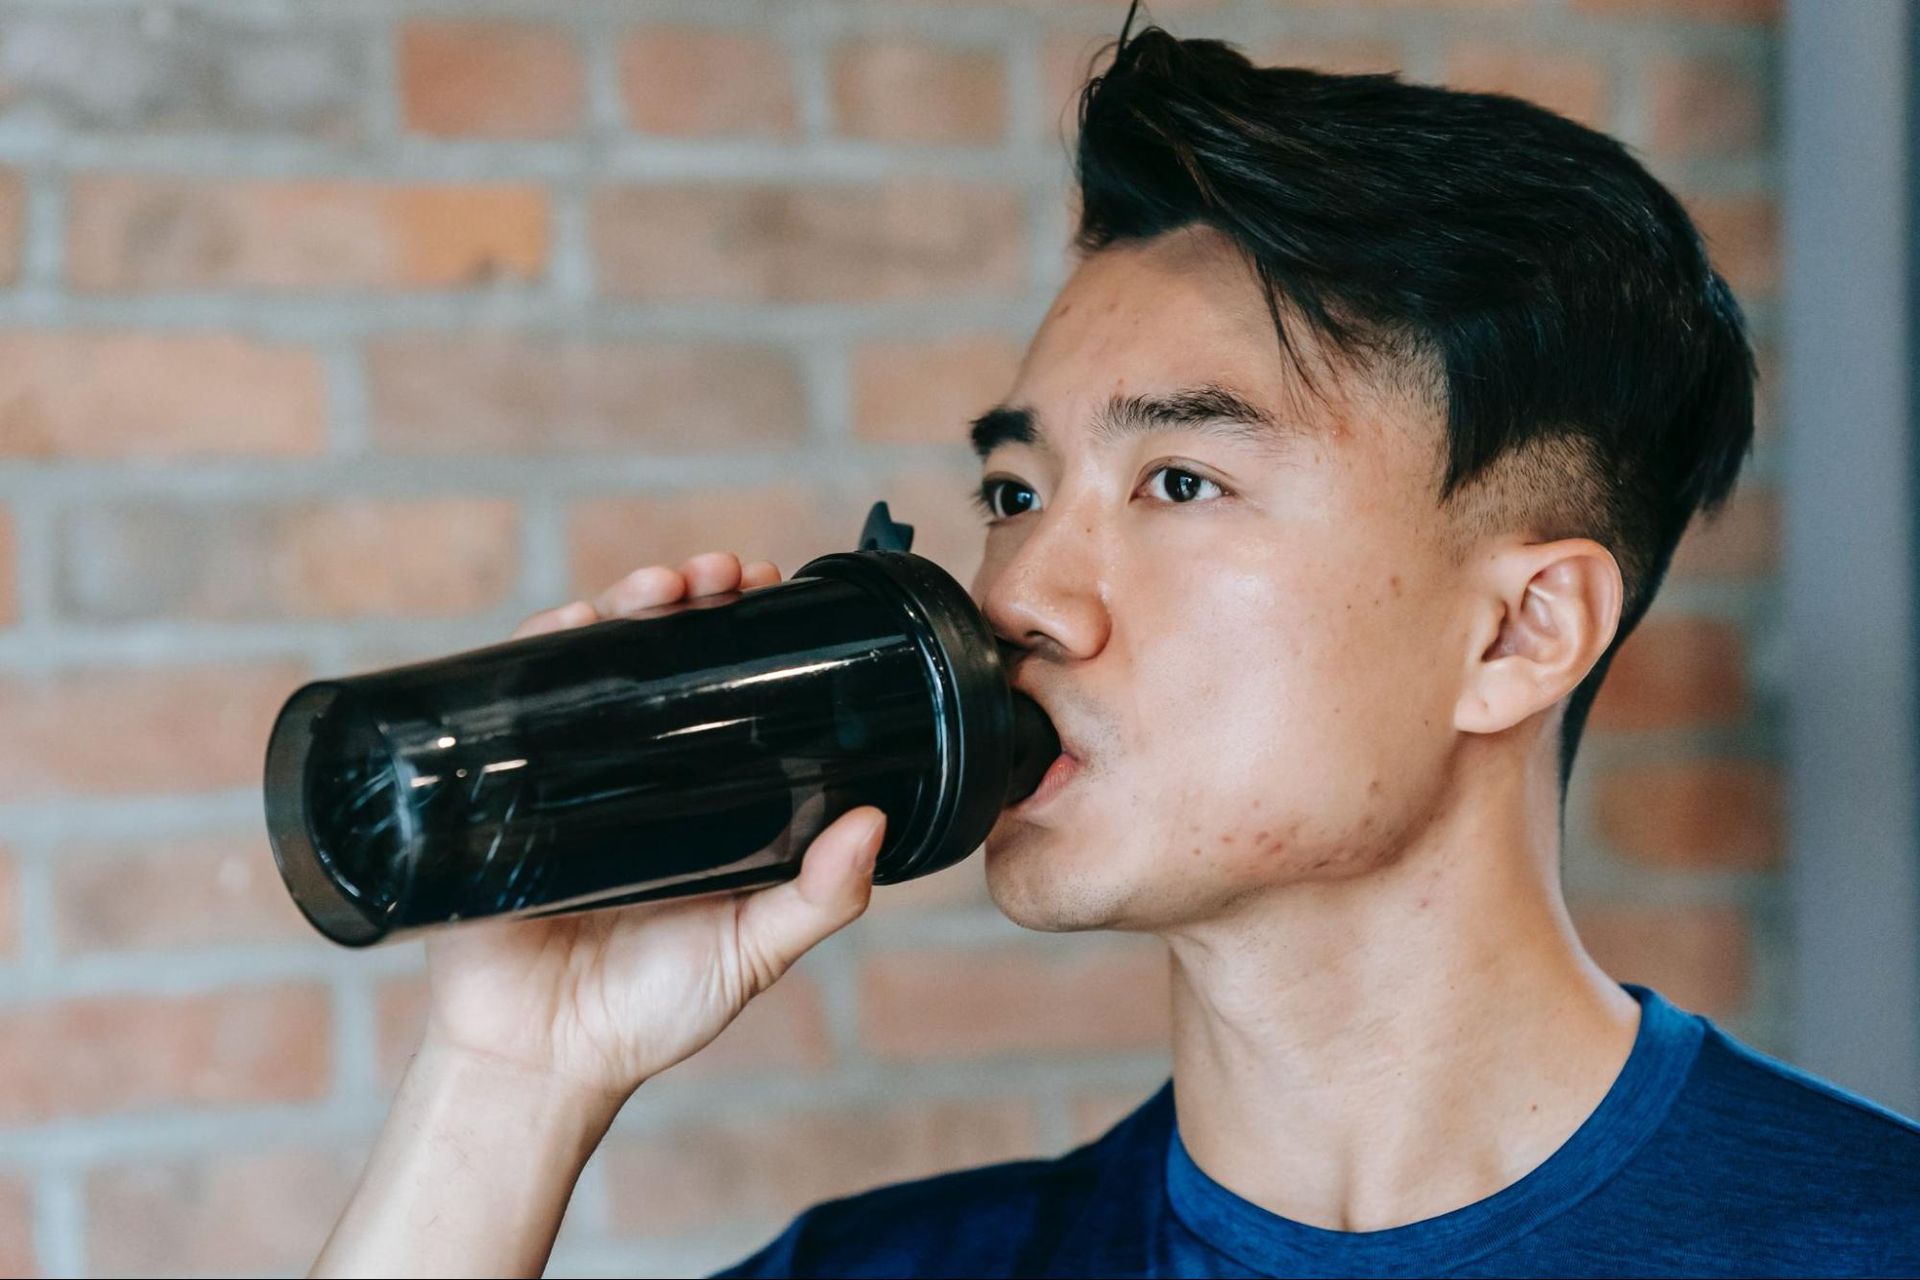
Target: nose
{"points": [[1048, 595]]}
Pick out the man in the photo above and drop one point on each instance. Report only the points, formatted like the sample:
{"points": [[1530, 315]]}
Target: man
{"points": [[1360, 438]]}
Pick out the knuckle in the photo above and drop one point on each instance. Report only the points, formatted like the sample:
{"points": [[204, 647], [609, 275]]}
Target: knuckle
{"points": [[633, 578]]}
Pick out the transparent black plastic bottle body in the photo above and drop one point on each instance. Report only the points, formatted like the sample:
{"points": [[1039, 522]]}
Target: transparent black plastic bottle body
{"points": [[532, 791], [696, 747]]}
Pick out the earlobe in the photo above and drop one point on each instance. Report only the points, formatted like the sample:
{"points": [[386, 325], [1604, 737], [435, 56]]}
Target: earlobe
{"points": [[1554, 618]]}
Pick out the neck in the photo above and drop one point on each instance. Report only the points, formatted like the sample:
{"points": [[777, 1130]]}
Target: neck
{"points": [[1369, 1052]]}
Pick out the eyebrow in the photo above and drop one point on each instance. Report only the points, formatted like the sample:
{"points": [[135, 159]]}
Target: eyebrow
{"points": [[1210, 408]]}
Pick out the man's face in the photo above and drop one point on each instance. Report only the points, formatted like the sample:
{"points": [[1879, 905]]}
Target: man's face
{"points": [[1255, 642]]}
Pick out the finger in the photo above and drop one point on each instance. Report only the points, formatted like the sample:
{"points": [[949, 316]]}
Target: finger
{"points": [[576, 614], [711, 572], [642, 589], [758, 573], [778, 925]]}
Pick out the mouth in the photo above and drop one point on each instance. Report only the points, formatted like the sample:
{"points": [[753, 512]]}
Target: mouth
{"points": [[1059, 775], [1065, 767]]}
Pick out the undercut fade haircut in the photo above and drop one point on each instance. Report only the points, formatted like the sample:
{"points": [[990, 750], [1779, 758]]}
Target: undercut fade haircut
{"points": [[1552, 300]]}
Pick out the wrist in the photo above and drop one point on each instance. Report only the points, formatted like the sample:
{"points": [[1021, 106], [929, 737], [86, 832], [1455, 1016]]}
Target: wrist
{"points": [[473, 1170], [474, 1088]]}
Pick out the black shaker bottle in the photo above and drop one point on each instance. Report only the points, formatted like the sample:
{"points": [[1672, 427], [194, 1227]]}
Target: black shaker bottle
{"points": [[695, 747]]}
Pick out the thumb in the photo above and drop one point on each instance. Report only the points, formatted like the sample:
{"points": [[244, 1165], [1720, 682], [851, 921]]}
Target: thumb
{"points": [[779, 924]]}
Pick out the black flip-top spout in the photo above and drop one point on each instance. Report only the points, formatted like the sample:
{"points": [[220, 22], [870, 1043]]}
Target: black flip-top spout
{"points": [[884, 533]]}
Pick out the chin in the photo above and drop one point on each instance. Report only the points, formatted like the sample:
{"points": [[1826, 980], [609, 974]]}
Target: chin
{"points": [[1038, 881]]}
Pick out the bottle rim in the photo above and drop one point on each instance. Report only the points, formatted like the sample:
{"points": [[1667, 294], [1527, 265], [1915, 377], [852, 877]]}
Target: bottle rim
{"points": [[973, 704]]}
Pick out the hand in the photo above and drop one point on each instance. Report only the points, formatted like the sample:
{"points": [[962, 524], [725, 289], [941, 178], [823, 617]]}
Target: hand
{"points": [[602, 1000]]}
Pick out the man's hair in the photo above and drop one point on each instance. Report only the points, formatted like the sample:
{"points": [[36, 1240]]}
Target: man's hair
{"points": [[1545, 291]]}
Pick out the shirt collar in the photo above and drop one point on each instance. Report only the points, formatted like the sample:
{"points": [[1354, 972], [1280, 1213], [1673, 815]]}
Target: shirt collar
{"points": [[1663, 1052]]}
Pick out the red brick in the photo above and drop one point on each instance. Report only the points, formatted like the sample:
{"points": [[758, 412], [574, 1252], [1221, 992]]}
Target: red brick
{"points": [[1019, 999], [16, 1228], [1743, 240], [783, 1030], [924, 239], [489, 79], [1741, 540], [400, 1017], [1702, 106], [202, 71], [1766, 394], [927, 391], [1418, 4], [902, 90], [172, 893], [132, 395], [761, 1168], [144, 731], [1696, 956], [425, 557], [704, 81], [1698, 813], [1342, 57], [1052, 6], [1066, 63], [1095, 1111], [13, 218], [1671, 673], [253, 1213], [9, 573], [962, 885], [9, 907], [103, 1055], [787, 524], [136, 233], [499, 393], [934, 500], [1764, 12], [1571, 84]]}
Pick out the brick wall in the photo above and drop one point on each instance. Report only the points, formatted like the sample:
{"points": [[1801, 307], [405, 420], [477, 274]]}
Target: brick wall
{"points": [[332, 335]]}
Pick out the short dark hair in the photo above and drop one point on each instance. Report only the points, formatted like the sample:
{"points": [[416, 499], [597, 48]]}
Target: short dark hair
{"points": [[1527, 271]]}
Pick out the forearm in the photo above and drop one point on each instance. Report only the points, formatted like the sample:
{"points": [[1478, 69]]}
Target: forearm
{"points": [[471, 1174]]}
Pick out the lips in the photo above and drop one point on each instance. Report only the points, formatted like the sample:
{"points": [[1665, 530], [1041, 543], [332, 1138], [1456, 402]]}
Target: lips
{"points": [[1058, 776]]}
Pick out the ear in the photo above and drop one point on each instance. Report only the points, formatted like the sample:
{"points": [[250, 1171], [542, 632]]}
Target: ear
{"points": [[1553, 609]]}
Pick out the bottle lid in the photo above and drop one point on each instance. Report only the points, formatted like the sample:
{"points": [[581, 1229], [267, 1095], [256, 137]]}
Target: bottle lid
{"points": [[973, 701]]}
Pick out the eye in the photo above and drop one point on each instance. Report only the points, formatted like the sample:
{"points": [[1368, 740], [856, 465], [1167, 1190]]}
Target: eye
{"points": [[991, 494], [1182, 486]]}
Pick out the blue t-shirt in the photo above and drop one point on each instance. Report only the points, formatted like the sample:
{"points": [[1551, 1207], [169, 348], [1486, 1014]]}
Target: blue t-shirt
{"points": [[1705, 1157]]}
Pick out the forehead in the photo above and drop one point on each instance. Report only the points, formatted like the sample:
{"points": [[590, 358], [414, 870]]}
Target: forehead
{"points": [[1182, 307], [1186, 309]]}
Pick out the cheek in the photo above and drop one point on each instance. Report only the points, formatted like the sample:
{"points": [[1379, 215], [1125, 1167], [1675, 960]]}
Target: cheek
{"points": [[1286, 718]]}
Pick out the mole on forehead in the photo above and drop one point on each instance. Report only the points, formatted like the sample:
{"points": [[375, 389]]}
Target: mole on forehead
{"points": [[1209, 408]]}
